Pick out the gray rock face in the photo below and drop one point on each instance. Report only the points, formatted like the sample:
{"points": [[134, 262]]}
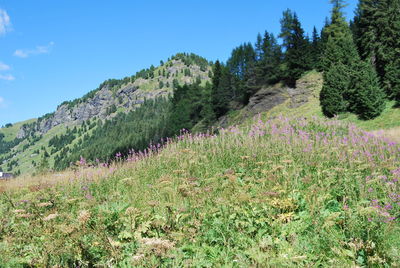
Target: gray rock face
{"points": [[269, 97], [95, 107], [266, 99], [22, 132]]}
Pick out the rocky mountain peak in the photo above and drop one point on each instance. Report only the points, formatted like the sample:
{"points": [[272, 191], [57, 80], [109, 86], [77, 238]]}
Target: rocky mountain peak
{"points": [[123, 95]]}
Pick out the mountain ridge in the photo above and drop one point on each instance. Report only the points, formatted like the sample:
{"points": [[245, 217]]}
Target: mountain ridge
{"points": [[100, 102], [29, 140]]}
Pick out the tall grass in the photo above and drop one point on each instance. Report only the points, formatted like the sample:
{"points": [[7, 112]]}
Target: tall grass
{"points": [[285, 192]]}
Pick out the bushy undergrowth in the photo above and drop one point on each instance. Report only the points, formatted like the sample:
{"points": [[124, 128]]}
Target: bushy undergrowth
{"points": [[287, 192]]}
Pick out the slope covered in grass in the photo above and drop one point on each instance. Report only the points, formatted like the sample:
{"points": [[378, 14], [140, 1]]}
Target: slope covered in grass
{"points": [[281, 193], [11, 132]]}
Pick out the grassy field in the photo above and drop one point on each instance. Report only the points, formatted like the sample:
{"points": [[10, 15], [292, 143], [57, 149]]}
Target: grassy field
{"points": [[287, 192]]}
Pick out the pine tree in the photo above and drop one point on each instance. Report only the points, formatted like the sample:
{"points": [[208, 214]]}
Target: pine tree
{"points": [[370, 97], [220, 89], [336, 81], [377, 34], [297, 58], [207, 113], [316, 49], [267, 69], [241, 65], [340, 56], [339, 46]]}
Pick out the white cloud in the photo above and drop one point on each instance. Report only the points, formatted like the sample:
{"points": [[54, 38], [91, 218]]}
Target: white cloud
{"points": [[5, 22], [4, 67], [2, 102], [25, 53], [7, 77]]}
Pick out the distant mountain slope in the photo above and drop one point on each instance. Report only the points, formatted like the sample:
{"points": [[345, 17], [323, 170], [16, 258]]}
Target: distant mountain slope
{"points": [[125, 94], [26, 144]]}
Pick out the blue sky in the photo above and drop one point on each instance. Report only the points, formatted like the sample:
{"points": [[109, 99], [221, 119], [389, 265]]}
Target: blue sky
{"points": [[52, 51]]}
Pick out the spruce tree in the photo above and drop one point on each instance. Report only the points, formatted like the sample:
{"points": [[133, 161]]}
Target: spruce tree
{"points": [[207, 113], [390, 53], [339, 46], [241, 65], [370, 97], [316, 49], [267, 69], [340, 55], [297, 59], [259, 47], [392, 79], [336, 81], [377, 34], [220, 89]]}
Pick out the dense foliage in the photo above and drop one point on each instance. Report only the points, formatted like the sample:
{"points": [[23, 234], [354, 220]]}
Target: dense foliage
{"points": [[117, 136], [376, 29], [5, 146], [349, 84]]}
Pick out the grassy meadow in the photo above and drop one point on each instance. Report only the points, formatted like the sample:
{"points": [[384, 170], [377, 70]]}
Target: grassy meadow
{"points": [[283, 192]]}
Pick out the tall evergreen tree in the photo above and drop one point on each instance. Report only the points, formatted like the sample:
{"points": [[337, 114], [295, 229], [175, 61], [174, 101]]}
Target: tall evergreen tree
{"points": [[392, 79], [241, 65], [377, 34], [220, 89], [259, 47], [207, 112], [368, 93], [336, 81], [343, 67], [297, 59], [338, 61], [323, 41], [267, 69], [316, 48], [339, 46]]}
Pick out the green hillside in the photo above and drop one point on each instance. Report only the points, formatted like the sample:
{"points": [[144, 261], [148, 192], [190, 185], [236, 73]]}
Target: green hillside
{"points": [[287, 192], [11, 132]]}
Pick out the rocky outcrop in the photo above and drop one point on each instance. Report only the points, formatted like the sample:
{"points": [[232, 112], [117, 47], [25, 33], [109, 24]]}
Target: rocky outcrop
{"points": [[97, 107], [269, 97], [266, 99]]}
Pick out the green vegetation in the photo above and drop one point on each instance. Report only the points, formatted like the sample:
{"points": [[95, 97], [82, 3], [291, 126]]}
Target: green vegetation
{"points": [[280, 193], [349, 84], [141, 190], [297, 58], [149, 73], [27, 155], [390, 117], [132, 131], [376, 30]]}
